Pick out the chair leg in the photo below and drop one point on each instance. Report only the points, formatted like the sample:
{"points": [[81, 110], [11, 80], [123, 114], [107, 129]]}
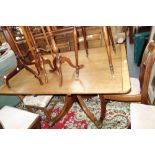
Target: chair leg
{"points": [[111, 38], [129, 127], [86, 110], [76, 50], [103, 110], [48, 115], [108, 49], [1, 126], [68, 104], [37, 124], [85, 39], [29, 108], [44, 110]]}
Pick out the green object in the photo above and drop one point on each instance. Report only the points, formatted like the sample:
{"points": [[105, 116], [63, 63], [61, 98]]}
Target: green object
{"points": [[7, 63], [140, 41]]}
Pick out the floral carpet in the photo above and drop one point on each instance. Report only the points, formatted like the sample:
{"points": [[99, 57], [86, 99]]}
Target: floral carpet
{"points": [[117, 115]]}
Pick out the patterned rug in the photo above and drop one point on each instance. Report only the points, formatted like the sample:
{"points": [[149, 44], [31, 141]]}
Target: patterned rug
{"points": [[117, 115]]}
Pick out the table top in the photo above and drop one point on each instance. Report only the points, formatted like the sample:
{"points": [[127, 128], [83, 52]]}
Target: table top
{"points": [[94, 78]]}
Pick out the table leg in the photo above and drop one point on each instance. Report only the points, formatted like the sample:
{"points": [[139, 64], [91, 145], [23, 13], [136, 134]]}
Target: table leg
{"points": [[86, 110], [103, 110], [68, 104]]}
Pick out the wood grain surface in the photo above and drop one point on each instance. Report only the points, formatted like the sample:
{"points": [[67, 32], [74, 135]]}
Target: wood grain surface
{"points": [[94, 78]]}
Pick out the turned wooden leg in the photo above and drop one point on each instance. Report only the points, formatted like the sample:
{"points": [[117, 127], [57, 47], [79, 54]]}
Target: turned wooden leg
{"points": [[86, 110], [44, 70], [60, 75], [48, 115], [47, 41], [10, 75], [85, 39], [111, 38], [65, 59], [1, 126], [38, 68], [34, 73], [47, 61], [36, 124], [30, 109], [108, 49], [103, 110], [57, 66], [68, 104], [54, 65], [76, 50]]}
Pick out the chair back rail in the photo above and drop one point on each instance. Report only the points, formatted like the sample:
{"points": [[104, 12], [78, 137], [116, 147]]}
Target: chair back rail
{"points": [[144, 77], [148, 70], [149, 48]]}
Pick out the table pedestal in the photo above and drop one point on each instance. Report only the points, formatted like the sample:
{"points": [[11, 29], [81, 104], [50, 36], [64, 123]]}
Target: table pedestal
{"points": [[70, 99]]}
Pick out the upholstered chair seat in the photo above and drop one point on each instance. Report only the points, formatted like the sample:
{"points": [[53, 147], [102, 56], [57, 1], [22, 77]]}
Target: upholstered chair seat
{"points": [[37, 101], [14, 118], [142, 116]]}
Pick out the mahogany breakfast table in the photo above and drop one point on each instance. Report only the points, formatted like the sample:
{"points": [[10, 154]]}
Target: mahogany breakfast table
{"points": [[94, 78]]}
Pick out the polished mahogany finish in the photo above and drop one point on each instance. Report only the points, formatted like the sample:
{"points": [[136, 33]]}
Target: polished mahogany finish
{"points": [[39, 60], [111, 38], [58, 59], [95, 78], [20, 61], [106, 38]]}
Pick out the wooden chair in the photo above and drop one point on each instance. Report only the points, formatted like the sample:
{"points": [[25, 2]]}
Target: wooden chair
{"points": [[39, 60], [108, 40], [14, 118], [48, 34], [139, 86], [37, 102], [58, 60], [83, 31], [21, 63], [142, 115]]}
